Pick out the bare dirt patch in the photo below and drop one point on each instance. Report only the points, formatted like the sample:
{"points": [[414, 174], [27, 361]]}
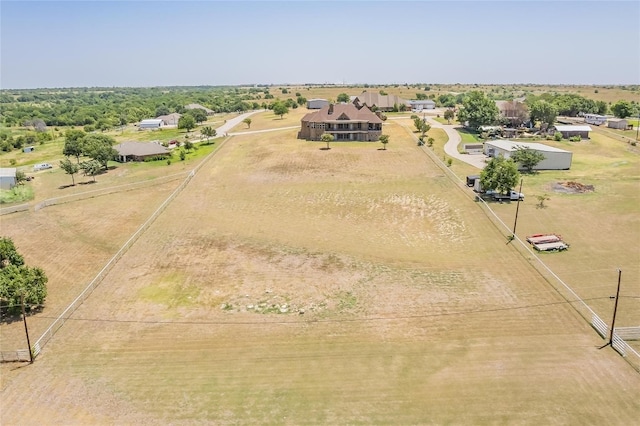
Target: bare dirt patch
{"points": [[571, 187]]}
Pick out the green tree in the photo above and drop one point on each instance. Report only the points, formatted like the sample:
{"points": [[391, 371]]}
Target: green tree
{"points": [[447, 100], [21, 177], [91, 168], [208, 132], [18, 280], [477, 110], [70, 169], [247, 121], [198, 114], [528, 158], [449, 115], [418, 122], [188, 145], [622, 109], [384, 140], [328, 138], [73, 144], [543, 112], [187, 122], [100, 148], [500, 174], [280, 109], [343, 97], [301, 100], [602, 107]]}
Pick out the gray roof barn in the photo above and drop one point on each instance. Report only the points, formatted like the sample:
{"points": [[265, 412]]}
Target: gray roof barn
{"points": [[138, 151]]}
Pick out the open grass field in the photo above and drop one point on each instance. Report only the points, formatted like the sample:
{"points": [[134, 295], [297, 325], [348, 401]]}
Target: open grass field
{"points": [[598, 93], [293, 285]]}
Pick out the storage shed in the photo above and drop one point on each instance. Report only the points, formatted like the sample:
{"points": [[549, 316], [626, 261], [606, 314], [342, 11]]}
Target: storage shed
{"points": [[317, 103], [152, 123], [569, 131], [554, 158], [618, 123], [7, 178], [422, 104]]}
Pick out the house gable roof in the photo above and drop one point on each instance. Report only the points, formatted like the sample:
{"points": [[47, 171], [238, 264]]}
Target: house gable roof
{"points": [[140, 149], [349, 111], [573, 128]]}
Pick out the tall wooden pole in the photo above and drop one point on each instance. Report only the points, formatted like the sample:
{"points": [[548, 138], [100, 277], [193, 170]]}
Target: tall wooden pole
{"points": [[515, 222], [615, 308], [26, 330]]}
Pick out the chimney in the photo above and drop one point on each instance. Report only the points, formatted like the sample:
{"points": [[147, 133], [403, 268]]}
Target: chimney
{"points": [[330, 109]]}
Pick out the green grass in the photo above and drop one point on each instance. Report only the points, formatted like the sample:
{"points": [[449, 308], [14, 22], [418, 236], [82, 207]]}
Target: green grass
{"points": [[469, 136], [18, 194]]}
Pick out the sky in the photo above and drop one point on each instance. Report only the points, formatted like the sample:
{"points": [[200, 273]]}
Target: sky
{"points": [[48, 44]]}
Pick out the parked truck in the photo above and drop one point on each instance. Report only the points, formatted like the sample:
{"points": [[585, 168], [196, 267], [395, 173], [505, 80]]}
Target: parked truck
{"points": [[510, 195]]}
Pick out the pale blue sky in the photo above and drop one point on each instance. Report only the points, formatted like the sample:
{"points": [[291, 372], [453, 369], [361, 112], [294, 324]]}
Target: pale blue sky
{"points": [[162, 43]]}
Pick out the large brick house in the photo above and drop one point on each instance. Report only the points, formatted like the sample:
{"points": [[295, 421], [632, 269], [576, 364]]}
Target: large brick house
{"points": [[344, 121]]}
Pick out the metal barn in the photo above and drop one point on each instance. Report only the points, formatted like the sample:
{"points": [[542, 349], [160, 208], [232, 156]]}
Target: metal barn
{"points": [[554, 158]]}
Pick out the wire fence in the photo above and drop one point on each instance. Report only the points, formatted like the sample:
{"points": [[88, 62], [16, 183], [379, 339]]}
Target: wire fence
{"points": [[576, 302], [61, 319]]}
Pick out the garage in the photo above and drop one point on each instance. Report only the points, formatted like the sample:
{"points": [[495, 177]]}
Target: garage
{"points": [[554, 158]]}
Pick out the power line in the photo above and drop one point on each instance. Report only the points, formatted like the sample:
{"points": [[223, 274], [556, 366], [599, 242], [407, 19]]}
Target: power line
{"points": [[341, 320]]}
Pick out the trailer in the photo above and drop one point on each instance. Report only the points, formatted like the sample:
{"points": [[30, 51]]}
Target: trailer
{"points": [[543, 238], [555, 246]]}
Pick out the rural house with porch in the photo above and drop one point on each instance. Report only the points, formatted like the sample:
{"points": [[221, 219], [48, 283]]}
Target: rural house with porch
{"points": [[344, 121]]}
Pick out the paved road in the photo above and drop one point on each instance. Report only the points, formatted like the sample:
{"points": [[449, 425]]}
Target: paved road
{"points": [[249, 132], [232, 122]]}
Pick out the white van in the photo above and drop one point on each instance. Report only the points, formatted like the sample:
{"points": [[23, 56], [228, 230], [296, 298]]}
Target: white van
{"points": [[42, 166]]}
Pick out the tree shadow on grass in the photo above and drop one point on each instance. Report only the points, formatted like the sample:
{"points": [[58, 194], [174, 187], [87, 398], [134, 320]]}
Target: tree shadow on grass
{"points": [[324, 149]]}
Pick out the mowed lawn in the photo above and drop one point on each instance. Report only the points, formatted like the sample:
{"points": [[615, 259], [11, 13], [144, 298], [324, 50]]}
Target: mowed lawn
{"points": [[293, 285]]}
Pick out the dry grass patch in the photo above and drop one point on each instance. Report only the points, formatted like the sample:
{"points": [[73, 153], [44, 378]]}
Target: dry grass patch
{"points": [[415, 310]]}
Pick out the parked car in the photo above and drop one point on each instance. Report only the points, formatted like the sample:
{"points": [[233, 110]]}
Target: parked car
{"points": [[42, 166]]}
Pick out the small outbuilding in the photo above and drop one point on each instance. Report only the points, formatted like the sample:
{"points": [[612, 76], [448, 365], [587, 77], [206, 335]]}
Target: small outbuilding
{"points": [[8, 178], [618, 123], [151, 123], [317, 103], [554, 158], [169, 119], [28, 149], [569, 131], [419, 105], [139, 151]]}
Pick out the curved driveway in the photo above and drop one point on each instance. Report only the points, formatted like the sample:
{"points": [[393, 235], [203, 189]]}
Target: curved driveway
{"points": [[451, 147]]}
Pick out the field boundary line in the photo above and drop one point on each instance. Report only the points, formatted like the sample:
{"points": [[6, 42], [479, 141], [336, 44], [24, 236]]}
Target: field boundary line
{"points": [[95, 282], [580, 306]]}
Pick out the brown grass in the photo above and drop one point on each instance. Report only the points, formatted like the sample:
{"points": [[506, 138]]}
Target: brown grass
{"points": [[415, 309]]}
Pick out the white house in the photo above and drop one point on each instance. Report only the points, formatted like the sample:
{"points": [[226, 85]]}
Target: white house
{"points": [[554, 158], [7, 178], [151, 123]]}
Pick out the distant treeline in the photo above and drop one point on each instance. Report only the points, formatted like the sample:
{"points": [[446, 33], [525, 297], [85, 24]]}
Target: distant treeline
{"points": [[108, 107]]}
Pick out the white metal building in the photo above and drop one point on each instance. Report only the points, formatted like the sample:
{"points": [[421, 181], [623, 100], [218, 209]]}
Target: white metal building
{"points": [[317, 103], [151, 123], [419, 105], [554, 158], [7, 178]]}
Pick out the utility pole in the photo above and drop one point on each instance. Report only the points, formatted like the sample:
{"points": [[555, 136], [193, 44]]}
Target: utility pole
{"points": [[515, 222], [615, 309], [26, 330]]}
